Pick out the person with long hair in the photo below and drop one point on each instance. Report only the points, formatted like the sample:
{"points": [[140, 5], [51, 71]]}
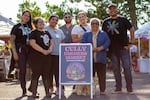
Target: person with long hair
{"points": [[19, 39]]}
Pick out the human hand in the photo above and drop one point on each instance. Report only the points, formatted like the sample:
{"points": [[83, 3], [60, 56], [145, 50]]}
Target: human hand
{"points": [[16, 57], [94, 49], [46, 52]]}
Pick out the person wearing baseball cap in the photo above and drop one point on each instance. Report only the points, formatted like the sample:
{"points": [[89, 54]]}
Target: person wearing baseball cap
{"points": [[116, 27], [112, 5]]}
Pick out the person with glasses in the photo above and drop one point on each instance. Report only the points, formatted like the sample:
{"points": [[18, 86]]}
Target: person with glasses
{"points": [[100, 42], [40, 57], [67, 27], [117, 26], [19, 37]]}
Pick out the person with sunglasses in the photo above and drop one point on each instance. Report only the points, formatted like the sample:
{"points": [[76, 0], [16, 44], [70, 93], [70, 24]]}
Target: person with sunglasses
{"points": [[67, 27], [100, 42]]}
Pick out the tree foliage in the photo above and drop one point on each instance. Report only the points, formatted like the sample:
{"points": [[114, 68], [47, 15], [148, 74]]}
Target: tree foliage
{"points": [[50, 9], [32, 7], [138, 11]]}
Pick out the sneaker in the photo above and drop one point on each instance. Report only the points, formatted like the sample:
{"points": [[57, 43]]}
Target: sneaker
{"points": [[130, 91], [10, 77], [51, 91], [30, 90], [117, 91], [35, 95], [48, 95], [102, 93]]}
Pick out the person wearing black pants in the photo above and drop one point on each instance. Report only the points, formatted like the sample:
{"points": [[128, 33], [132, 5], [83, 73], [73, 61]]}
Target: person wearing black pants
{"points": [[58, 38], [100, 42], [40, 57], [55, 62], [101, 74], [19, 40]]}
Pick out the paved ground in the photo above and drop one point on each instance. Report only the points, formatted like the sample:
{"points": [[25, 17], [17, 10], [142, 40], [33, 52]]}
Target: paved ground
{"points": [[141, 84]]}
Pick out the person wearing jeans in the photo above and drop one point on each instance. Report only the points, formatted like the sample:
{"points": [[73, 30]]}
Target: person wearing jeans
{"points": [[116, 27], [125, 59]]}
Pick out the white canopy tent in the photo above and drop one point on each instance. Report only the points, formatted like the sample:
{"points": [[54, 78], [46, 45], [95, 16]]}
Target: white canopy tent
{"points": [[5, 26], [143, 32], [2, 43]]}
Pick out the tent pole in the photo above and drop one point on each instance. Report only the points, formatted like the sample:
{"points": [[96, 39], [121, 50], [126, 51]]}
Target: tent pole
{"points": [[149, 56], [149, 47], [139, 47]]}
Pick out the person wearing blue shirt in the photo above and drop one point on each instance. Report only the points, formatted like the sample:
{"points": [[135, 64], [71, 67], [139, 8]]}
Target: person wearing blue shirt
{"points": [[100, 42]]}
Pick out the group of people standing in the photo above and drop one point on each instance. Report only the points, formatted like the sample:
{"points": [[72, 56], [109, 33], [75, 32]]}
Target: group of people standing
{"points": [[39, 46]]}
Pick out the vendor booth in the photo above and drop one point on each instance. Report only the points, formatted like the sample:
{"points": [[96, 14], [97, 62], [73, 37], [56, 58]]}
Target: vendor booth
{"points": [[4, 68], [143, 34]]}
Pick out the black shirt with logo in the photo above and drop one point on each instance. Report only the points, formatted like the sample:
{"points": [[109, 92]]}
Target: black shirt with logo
{"points": [[42, 38], [21, 31], [39, 62], [117, 32]]}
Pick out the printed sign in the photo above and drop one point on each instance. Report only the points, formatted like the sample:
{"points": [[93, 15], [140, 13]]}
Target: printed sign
{"points": [[75, 63]]}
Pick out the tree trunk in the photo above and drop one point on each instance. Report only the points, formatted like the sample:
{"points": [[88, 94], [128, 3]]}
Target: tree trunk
{"points": [[132, 12]]}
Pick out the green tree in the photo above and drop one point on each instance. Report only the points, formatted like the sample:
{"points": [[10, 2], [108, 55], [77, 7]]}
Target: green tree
{"points": [[50, 9], [59, 9], [136, 10], [32, 7]]}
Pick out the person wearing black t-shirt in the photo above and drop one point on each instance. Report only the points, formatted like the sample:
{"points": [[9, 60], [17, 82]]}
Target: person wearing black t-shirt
{"points": [[116, 27], [19, 40], [40, 57]]}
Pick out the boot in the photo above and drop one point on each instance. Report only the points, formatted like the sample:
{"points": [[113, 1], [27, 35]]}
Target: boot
{"points": [[46, 86], [33, 88]]}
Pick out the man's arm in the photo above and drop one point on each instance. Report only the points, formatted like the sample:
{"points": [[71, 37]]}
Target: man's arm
{"points": [[131, 34]]}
